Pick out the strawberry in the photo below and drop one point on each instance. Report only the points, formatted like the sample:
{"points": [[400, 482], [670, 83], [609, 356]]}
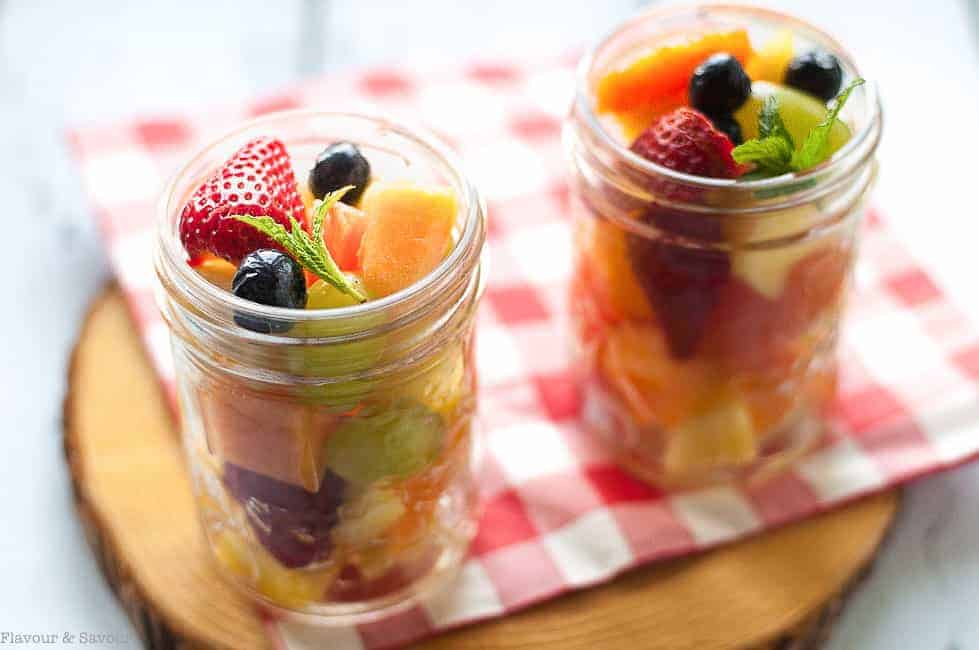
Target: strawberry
{"points": [[682, 282], [686, 141], [257, 180]]}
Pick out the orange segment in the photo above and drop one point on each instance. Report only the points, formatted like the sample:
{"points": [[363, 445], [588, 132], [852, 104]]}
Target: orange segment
{"points": [[664, 72], [658, 390], [768, 405], [613, 280]]}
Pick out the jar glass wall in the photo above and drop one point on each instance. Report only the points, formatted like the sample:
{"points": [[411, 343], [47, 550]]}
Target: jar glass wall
{"points": [[332, 459], [706, 312]]}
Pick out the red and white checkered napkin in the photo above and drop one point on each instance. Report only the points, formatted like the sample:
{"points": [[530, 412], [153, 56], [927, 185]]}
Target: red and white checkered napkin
{"points": [[558, 515]]}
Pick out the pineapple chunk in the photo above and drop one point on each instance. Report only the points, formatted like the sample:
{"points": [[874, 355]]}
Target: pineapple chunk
{"points": [[770, 62], [284, 587], [767, 269], [368, 517], [722, 435]]}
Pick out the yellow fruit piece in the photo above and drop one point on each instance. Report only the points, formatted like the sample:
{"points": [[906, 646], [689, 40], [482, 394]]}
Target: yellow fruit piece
{"points": [[441, 387], [658, 390], [369, 516], [230, 552], [408, 233], [323, 295], [766, 269], [607, 250], [217, 271], [770, 62], [284, 587], [720, 436]]}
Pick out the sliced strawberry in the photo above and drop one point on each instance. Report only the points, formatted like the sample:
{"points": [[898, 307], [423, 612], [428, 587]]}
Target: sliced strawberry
{"points": [[682, 282], [257, 180], [686, 141]]}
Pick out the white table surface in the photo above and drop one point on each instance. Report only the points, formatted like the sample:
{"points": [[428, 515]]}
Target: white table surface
{"points": [[68, 62]]}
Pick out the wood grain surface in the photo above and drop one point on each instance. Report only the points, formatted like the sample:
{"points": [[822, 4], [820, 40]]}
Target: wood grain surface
{"points": [[779, 590]]}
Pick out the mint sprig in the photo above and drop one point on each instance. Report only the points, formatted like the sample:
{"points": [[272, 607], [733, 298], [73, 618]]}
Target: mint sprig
{"points": [[770, 122], [310, 252], [773, 153]]}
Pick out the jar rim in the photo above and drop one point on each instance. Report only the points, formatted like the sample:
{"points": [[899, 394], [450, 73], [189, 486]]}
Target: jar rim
{"points": [[859, 142], [172, 255]]}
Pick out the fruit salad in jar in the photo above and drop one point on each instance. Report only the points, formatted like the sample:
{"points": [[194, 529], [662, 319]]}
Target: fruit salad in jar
{"points": [[721, 157], [320, 292]]}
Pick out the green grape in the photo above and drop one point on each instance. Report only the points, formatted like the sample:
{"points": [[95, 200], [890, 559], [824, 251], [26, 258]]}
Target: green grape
{"points": [[395, 441], [323, 295], [800, 112]]}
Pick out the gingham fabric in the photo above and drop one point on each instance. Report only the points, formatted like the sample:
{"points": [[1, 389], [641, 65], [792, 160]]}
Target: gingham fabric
{"points": [[557, 514]]}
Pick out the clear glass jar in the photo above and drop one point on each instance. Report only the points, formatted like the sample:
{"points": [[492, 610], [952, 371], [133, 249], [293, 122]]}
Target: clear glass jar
{"points": [[706, 312], [332, 462]]}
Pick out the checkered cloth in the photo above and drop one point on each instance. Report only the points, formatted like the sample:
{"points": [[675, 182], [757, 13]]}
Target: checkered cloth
{"points": [[558, 515]]}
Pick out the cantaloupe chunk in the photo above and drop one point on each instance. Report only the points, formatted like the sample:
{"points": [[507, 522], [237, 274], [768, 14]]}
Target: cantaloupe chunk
{"points": [[274, 437], [408, 233], [664, 72], [216, 270]]}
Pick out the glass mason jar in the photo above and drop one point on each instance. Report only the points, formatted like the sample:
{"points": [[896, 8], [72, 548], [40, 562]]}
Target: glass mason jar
{"points": [[332, 460], [706, 312]]}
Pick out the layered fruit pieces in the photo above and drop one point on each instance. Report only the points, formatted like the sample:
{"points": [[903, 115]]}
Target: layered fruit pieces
{"points": [[338, 490], [707, 336]]}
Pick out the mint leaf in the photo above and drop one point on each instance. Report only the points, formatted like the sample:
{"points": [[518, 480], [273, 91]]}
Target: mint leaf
{"points": [[771, 156], [770, 122], [310, 252], [773, 153], [816, 147]]}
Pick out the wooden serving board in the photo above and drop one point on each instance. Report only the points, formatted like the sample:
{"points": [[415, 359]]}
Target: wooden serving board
{"points": [[779, 590]]}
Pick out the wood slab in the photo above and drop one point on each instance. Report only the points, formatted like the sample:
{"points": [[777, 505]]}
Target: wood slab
{"points": [[779, 590]]}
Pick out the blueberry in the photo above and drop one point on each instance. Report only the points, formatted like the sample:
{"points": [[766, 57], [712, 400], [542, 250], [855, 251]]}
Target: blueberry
{"points": [[719, 85], [269, 277], [817, 73], [337, 166], [729, 126], [293, 524]]}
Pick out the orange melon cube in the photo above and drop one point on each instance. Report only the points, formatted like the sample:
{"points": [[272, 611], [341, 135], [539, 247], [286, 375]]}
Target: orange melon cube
{"points": [[216, 270], [279, 438], [408, 233]]}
